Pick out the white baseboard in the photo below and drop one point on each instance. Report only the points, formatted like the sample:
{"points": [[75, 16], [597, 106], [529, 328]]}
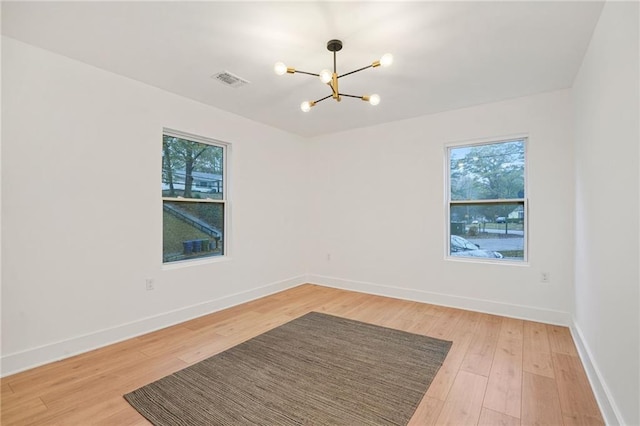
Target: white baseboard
{"points": [[20, 361], [607, 404], [487, 306]]}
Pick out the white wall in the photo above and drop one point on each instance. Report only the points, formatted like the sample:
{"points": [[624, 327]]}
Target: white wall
{"points": [[82, 215], [606, 97], [379, 210]]}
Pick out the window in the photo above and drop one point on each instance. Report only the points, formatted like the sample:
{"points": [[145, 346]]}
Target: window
{"points": [[193, 197], [486, 200]]}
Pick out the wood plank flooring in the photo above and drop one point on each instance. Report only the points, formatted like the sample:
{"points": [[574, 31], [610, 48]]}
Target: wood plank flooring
{"points": [[499, 371]]}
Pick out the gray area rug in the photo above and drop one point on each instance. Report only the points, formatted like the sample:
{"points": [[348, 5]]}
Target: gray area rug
{"points": [[315, 370]]}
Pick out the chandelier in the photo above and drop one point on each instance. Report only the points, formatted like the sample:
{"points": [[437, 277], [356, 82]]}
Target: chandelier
{"points": [[331, 78]]}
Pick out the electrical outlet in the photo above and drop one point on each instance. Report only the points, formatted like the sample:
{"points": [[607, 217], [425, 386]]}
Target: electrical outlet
{"points": [[151, 285], [328, 256], [545, 277]]}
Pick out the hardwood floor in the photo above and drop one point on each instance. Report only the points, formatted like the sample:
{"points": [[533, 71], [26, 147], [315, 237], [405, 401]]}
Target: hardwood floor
{"points": [[499, 371]]}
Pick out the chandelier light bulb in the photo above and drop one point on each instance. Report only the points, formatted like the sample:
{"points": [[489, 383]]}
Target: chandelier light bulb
{"points": [[326, 76], [386, 60], [305, 106], [280, 68], [374, 99]]}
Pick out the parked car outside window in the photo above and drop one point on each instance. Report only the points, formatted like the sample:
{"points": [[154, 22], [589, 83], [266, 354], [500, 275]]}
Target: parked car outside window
{"points": [[465, 248]]}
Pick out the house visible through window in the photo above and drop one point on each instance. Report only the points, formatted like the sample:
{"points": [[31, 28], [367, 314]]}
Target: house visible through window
{"points": [[486, 200], [193, 197]]}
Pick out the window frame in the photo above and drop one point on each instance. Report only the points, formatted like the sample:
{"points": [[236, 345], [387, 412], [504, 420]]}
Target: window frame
{"points": [[226, 148], [524, 201]]}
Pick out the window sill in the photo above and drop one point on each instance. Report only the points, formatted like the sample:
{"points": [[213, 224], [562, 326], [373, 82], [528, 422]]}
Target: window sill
{"points": [[195, 262], [486, 261]]}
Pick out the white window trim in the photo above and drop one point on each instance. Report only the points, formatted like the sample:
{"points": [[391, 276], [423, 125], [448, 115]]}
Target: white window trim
{"points": [[448, 202], [226, 150]]}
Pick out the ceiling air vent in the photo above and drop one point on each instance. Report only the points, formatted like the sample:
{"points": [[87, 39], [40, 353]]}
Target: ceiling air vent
{"points": [[229, 79]]}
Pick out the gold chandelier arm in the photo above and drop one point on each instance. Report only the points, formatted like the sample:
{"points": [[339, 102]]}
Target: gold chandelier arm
{"points": [[355, 71], [302, 72], [321, 99], [353, 96]]}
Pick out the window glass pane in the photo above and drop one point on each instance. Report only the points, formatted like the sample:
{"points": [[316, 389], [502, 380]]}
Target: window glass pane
{"points": [[487, 172], [191, 169], [489, 230], [192, 230]]}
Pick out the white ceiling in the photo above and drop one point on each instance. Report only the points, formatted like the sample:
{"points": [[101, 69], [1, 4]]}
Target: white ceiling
{"points": [[447, 55]]}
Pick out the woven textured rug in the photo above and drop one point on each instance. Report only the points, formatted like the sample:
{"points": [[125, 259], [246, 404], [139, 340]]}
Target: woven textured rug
{"points": [[315, 370]]}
